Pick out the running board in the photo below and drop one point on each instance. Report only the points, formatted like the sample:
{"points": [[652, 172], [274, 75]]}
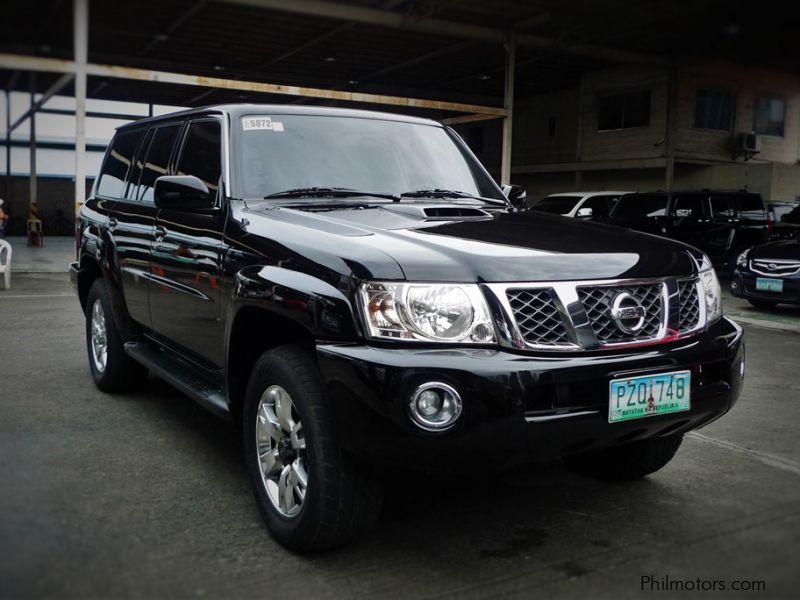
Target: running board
{"points": [[181, 375]]}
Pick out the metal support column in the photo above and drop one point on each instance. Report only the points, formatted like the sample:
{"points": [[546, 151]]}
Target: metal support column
{"points": [[33, 206], [671, 130], [579, 140], [80, 17], [508, 104], [8, 146]]}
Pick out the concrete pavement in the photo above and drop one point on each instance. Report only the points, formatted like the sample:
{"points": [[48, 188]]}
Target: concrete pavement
{"points": [[145, 495]]}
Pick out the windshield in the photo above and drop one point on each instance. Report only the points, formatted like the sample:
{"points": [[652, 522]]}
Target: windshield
{"points": [[557, 205], [640, 205], [287, 152]]}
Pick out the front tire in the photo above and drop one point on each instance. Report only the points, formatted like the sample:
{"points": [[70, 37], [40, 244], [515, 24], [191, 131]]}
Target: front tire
{"points": [[112, 369], [311, 494], [629, 461]]}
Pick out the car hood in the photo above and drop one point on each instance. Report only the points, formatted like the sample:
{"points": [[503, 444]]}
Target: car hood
{"points": [[783, 250], [402, 241]]}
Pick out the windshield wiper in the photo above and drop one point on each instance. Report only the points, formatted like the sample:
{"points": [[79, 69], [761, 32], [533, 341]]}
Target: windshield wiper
{"points": [[440, 193], [328, 192]]}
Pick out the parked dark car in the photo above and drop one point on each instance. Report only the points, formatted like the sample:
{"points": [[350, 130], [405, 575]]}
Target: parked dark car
{"points": [[769, 274], [353, 290], [580, 205], [787, 222], [720, 223]]}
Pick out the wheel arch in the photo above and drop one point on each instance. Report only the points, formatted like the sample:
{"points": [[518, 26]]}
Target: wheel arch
{"points": [[272, 306], [254, 331]]}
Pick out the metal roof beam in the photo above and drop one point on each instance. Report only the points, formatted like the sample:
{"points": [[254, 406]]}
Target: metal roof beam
{"points": [[54, 65], [395, 20], [59, 85]]}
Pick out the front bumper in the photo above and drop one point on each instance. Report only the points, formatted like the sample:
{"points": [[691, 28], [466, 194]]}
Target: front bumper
{"points": [[743, 285], [518, 407]]}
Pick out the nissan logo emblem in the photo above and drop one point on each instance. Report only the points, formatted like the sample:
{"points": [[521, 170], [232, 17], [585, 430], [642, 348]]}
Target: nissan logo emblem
{"points": [[627, 313]]}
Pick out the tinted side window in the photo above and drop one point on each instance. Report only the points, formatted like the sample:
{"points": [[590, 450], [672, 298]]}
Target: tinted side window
{"points": [[202, 153], [639, 206], [600, 205], [720, 207], [157, 161], [750, 206], [137, 166], [117, 162], [689, 206]]}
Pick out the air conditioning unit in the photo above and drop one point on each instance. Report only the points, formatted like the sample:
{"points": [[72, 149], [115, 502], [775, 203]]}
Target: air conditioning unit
{"points": [[749, 142], [747, 145]]}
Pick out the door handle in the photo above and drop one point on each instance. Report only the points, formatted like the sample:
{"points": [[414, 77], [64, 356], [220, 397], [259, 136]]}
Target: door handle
{"points": [[161, 233], [112, 223]]}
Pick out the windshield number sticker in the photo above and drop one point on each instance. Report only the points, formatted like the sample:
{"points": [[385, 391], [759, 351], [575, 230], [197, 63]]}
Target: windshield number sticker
{"points": [[261, 123]]}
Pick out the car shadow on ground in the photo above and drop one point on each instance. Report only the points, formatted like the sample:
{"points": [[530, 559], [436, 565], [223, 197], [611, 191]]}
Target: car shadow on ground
{"points": [[541, 511]]}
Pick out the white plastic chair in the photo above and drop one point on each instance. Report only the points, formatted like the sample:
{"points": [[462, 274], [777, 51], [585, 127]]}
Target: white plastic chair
{"points": [[5, 263]]}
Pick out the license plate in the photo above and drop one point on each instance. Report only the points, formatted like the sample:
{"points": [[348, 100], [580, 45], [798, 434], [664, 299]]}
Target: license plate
{"points": [[648, 395], [766, 284]]}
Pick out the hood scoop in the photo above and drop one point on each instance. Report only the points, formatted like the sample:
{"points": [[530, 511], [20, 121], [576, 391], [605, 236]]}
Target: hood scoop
{"points": [[440, 213]]}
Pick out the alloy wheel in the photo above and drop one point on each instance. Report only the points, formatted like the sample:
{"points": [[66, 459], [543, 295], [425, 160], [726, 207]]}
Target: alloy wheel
{"points": [[281, 446], [99, 338]]}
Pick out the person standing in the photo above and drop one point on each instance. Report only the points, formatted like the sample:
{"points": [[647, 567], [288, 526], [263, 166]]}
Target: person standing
{"points": [[3, 220]]}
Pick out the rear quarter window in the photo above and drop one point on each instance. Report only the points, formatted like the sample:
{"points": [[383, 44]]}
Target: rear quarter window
{"points": [[117, 163]]}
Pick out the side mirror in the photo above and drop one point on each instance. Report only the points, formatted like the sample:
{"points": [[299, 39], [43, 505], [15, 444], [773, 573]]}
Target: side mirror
{"points": [[517, 195], [584, 213], [182, 192]]}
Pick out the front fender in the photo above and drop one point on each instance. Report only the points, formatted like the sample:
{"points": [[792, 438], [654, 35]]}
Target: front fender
{"points": [[320, 308]]}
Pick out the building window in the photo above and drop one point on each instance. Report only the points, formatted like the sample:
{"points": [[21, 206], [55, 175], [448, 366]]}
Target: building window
{"points": [[712, 110], [622, 111], [551, 127], [769, 117]]}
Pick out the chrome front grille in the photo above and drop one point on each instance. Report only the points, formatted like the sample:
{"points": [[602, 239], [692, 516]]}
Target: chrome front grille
{"points": [[597, 301], [689, 316], [776, 267], [538, 318], [588, 315]]}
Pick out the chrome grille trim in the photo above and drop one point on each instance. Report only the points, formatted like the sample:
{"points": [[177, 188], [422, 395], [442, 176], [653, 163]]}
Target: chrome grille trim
{"points": [[690, 315], [785, 268], [537, 316], [597, 300], [562, 300]]}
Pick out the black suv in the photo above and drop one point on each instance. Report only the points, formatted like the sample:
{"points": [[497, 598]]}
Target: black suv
{"points": [[787, 221], [353, 291], [720, 223]]}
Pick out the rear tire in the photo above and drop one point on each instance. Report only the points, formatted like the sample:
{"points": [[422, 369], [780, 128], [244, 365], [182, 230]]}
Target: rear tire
{"points": [[311, 494], [763, 303], [112, 369], [627, 462]]}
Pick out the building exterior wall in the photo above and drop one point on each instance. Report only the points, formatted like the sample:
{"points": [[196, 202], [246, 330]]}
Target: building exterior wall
{"points": [[636, 142], [636, 158], [744, 85]]}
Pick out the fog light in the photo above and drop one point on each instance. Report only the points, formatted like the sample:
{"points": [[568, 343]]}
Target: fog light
{"points": [[435, 406]]}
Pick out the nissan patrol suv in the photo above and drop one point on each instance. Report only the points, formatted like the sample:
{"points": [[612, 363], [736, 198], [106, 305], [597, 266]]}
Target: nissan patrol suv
{"points": [[355, 293]]}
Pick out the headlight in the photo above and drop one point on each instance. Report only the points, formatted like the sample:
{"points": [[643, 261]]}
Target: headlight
{"points": [[439, 312], [741, 260], [711, 290]]}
